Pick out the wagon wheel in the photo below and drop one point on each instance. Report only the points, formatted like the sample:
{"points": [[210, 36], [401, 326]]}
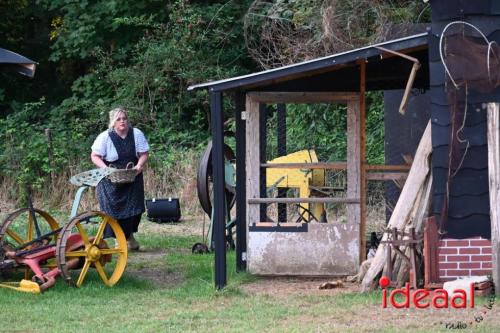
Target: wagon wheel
{"points": [[19, 228], [81, 245], [204, 179]]}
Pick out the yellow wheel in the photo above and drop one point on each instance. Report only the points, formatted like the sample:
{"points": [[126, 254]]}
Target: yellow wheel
{"points": [[81, 246], [19, 228]]}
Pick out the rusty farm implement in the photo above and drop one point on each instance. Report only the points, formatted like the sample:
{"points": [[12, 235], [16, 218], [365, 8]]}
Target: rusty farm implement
{"points": [[33, 243]]}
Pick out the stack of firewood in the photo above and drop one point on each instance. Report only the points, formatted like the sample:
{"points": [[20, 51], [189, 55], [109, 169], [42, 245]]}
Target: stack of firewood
{"points": [[410, 211]]}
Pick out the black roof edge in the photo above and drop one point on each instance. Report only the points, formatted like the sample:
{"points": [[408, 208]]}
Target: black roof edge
{"points": [[22, 64], [263, 77]]}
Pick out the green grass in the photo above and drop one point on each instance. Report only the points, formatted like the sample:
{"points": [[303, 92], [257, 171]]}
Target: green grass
{"points": [[188, 304]]}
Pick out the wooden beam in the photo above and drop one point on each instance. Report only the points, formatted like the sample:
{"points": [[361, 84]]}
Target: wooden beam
{"points": [[383, 167], [303, 97], [219, 209], [320, 165], [387, 176], [494, 184], [256, 201], [241, 225], [353, 163], [252, 158], [335, 166], [362, 158]]}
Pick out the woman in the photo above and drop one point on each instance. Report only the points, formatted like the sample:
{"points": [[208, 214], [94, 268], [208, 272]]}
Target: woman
{"points": [[118, 146]]}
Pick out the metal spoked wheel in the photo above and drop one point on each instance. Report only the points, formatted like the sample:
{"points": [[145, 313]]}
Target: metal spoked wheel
{"points": [[19, 228], [81, 246], [204, 179]]}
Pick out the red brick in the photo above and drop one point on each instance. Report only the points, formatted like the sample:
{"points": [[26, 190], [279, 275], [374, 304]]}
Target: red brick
{"points": [[480, 242], [457, 258], [470, 265], [442, 258], [447, 250], [442, 272], [442, 243], [480, 272], [486, 265], [451, 243], [448, 265], [470, 250], [486, 257], [457, 272], [486, 250]]}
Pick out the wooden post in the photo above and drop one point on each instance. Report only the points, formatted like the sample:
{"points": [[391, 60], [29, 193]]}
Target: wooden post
{"points": [[494, 184], [219, 202], [362, 160], [353, 163], [252, 158], [241, 230]]}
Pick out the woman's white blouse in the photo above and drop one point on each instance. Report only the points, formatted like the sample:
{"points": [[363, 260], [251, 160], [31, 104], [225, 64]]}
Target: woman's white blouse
{"points": [[104, 147]]}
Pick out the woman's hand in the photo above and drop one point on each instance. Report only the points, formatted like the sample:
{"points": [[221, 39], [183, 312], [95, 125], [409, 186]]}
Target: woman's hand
{"points": [[143, 157], [138, 169]]}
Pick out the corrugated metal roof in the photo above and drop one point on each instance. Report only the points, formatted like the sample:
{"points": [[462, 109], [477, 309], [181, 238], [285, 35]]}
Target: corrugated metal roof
{"points": [[23, 65], [303, 68]]}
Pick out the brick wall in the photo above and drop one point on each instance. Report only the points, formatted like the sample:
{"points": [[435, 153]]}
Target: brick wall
{"points": [[464, 257]]}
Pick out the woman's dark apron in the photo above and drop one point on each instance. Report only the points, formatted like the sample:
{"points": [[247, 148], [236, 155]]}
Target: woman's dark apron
{"points": [[124, 202]]}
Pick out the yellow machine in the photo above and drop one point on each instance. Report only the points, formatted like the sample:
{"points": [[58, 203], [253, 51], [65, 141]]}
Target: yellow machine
{"points": [[298, 178]]}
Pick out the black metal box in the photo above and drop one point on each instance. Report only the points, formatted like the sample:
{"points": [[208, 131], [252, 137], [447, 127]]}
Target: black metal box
{"points": [[163, 210]]}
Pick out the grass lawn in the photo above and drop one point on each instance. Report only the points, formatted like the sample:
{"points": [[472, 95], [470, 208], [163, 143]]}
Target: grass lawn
{"points": [[167, 289]]}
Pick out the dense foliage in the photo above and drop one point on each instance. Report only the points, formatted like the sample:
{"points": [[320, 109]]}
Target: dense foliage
{"points": [[142, 54]]}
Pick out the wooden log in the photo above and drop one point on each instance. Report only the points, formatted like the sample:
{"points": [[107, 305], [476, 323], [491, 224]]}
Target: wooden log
{"points": [[404, 207], [494, 185]]}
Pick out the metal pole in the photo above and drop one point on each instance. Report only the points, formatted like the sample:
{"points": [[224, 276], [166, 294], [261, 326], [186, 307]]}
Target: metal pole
{"points": [[219, 220], [241, 229]]}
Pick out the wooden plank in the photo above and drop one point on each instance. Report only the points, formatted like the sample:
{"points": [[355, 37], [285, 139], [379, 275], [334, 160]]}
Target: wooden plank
{"points": [[252, 158], [319, 165], [353, 163], [387, 176], [335, 166], [383, 167], [303, 97], [405, 206], [431, 239], [255, 201], [362, 159], [281, 224], [494, 185]]}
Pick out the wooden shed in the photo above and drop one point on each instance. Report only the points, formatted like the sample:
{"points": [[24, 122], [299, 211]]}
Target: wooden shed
{"points": [[340, 78]]}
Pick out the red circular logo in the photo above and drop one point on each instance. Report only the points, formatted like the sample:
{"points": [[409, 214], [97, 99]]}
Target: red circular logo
{"points": [[384, 282]]}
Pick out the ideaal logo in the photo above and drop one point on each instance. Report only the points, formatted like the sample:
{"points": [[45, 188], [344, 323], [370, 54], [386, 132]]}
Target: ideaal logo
{"points": [[420, 300], [439, 299]]}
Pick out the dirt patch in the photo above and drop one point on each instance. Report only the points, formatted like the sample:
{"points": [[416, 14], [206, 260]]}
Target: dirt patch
{"points": [[286, 286], [150, 265]]}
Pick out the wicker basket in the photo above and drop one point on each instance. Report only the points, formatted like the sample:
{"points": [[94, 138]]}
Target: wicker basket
{"points": [[123, 176]]}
